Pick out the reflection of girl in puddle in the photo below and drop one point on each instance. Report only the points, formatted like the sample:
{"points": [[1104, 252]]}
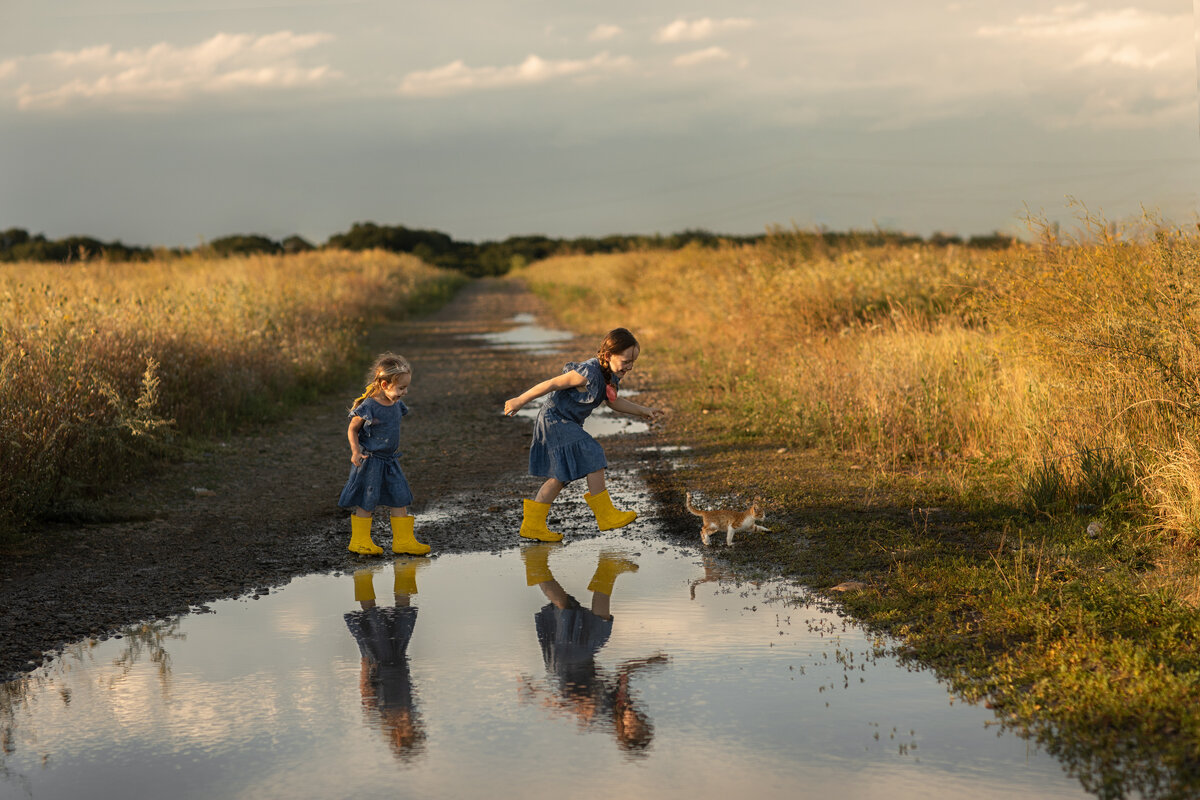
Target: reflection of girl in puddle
{"points": [[382, 635], [570, 636]]}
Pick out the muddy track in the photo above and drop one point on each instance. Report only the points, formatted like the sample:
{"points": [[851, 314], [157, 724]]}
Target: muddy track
{"points": [[267, 510]]}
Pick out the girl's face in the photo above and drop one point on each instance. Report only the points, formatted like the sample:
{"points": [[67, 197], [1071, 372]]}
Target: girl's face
{"points": [[621, 363], [398, 387]]}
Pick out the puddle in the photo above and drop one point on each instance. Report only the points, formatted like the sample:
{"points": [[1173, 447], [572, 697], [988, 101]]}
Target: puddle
{"points": [[679, 451], [707, 686], [600, 423], [527, 337]]}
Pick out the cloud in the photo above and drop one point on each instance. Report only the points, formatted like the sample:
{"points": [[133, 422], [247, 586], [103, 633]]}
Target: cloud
{"points": [[683, 31], [165, 73], [705, 56], [602, 33], [1127, 67], [7, 68], [456, 77], [1128, 37]]}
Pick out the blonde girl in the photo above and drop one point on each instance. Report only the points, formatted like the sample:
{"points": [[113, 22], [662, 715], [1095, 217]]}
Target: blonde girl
{"points": [[375, 475], [562, 451]]}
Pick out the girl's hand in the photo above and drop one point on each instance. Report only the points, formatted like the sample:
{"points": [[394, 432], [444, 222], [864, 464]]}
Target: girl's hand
{"points": [[357, 458], [512, 406]]}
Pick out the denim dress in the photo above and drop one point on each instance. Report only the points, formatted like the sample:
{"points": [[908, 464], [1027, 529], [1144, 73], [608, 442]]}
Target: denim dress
{"points": [[561, 448], [382, 635], [570, 638], [379, 479]]}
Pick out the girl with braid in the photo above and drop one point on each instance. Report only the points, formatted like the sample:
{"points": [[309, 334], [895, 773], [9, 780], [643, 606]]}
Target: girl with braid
{"points": [[375, 475], [562, 451]]}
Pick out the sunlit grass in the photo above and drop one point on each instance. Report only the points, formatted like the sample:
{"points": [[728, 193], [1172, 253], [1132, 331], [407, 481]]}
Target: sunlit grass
{"points": [[103, 363]]}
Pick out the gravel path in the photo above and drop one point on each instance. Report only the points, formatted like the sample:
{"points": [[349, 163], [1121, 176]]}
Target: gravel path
{"points": [[269, 511]]}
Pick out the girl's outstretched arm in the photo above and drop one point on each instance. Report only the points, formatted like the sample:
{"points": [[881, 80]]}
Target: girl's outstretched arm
{"points": [[568, 380], [624, 406]]}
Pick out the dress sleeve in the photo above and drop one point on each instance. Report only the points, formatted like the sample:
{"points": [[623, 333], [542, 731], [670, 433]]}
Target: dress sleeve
{"points": [[595, 378], [366, 410], [403, 408]]}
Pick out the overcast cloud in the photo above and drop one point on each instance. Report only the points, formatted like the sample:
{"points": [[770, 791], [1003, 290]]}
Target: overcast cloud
{"points": [[486, 121]]}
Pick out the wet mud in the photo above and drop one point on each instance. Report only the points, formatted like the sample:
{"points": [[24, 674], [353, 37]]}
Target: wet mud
{"points": [[256, 510]]}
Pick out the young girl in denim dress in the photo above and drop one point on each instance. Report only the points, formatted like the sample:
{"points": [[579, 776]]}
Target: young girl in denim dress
{"points": [[375, 475], [562, 451]]}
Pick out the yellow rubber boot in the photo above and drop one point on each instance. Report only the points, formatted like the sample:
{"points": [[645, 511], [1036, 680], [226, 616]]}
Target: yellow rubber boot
{"points": [[405, 570], [537, 562], [404, 541], [360, 537], [533, 526], [608, 517], [364, 587], [608, 568]]}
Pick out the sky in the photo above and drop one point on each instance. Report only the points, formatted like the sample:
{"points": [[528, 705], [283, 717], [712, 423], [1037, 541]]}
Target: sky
{"points": [[174, 122]]}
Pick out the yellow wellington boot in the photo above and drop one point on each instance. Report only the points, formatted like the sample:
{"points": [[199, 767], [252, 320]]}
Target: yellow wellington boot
{"points": [[364, 587], [608, 568], [537, 566], [403, 539], [360, 537], [533, 526], [608, 517], [405, 570]]}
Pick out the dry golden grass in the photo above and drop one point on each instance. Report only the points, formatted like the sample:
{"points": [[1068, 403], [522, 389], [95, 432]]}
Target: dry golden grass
{"points": [[1078, 358], [102, 361]]}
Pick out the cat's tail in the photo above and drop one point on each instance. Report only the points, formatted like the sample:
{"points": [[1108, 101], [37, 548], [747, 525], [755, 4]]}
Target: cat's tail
{"points": [[687, 502]]}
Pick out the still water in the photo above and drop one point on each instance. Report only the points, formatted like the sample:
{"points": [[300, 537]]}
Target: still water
{"points": [[706, 686]]}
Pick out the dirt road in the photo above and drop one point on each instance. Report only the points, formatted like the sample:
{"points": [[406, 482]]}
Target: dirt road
{"points": [[259, 509]]}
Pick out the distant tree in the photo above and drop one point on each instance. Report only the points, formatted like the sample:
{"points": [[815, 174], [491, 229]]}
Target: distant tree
{"points": [[244, 244], [296, 244], [992, 241], [943, 239], [13, 237], [396, 238]]}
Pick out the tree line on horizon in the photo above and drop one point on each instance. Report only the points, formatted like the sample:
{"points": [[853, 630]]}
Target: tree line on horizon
{"points": [[440, 249]]}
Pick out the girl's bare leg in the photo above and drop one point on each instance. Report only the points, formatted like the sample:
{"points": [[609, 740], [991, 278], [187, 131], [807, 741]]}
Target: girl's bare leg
{"points": [[550, 490], [555, 593], [362, 512], [595, 482], [601, 605]]}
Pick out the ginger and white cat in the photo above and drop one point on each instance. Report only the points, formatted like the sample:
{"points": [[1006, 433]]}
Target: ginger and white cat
{"points": [[727, 520]]}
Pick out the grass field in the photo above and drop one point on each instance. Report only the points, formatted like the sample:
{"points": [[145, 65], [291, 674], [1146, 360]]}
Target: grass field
{"points": [[1000, 446], [106, 366]]}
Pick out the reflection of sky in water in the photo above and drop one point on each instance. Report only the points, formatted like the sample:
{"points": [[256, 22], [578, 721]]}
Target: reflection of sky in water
{"points": [[760, 698], [528, 337]]}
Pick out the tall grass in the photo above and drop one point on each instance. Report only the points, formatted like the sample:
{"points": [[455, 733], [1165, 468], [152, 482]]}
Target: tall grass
{"points": [[1079, 357], [101, 364]]}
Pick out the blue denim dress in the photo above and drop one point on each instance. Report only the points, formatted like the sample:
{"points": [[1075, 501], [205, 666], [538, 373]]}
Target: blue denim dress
{"points": [[561, 448], [382, 635], [570, 638], [379, 480]]}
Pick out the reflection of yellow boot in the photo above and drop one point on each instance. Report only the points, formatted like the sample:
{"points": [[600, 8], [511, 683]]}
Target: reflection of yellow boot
{"points": [[364, 587], [608, 568], [608, 517], [537, 566], [360, 537], [533, 526], [406, 574], [403, 539]]}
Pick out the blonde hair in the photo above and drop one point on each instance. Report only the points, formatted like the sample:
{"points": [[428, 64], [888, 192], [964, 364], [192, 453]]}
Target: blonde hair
{"points": [[387, 367]]}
